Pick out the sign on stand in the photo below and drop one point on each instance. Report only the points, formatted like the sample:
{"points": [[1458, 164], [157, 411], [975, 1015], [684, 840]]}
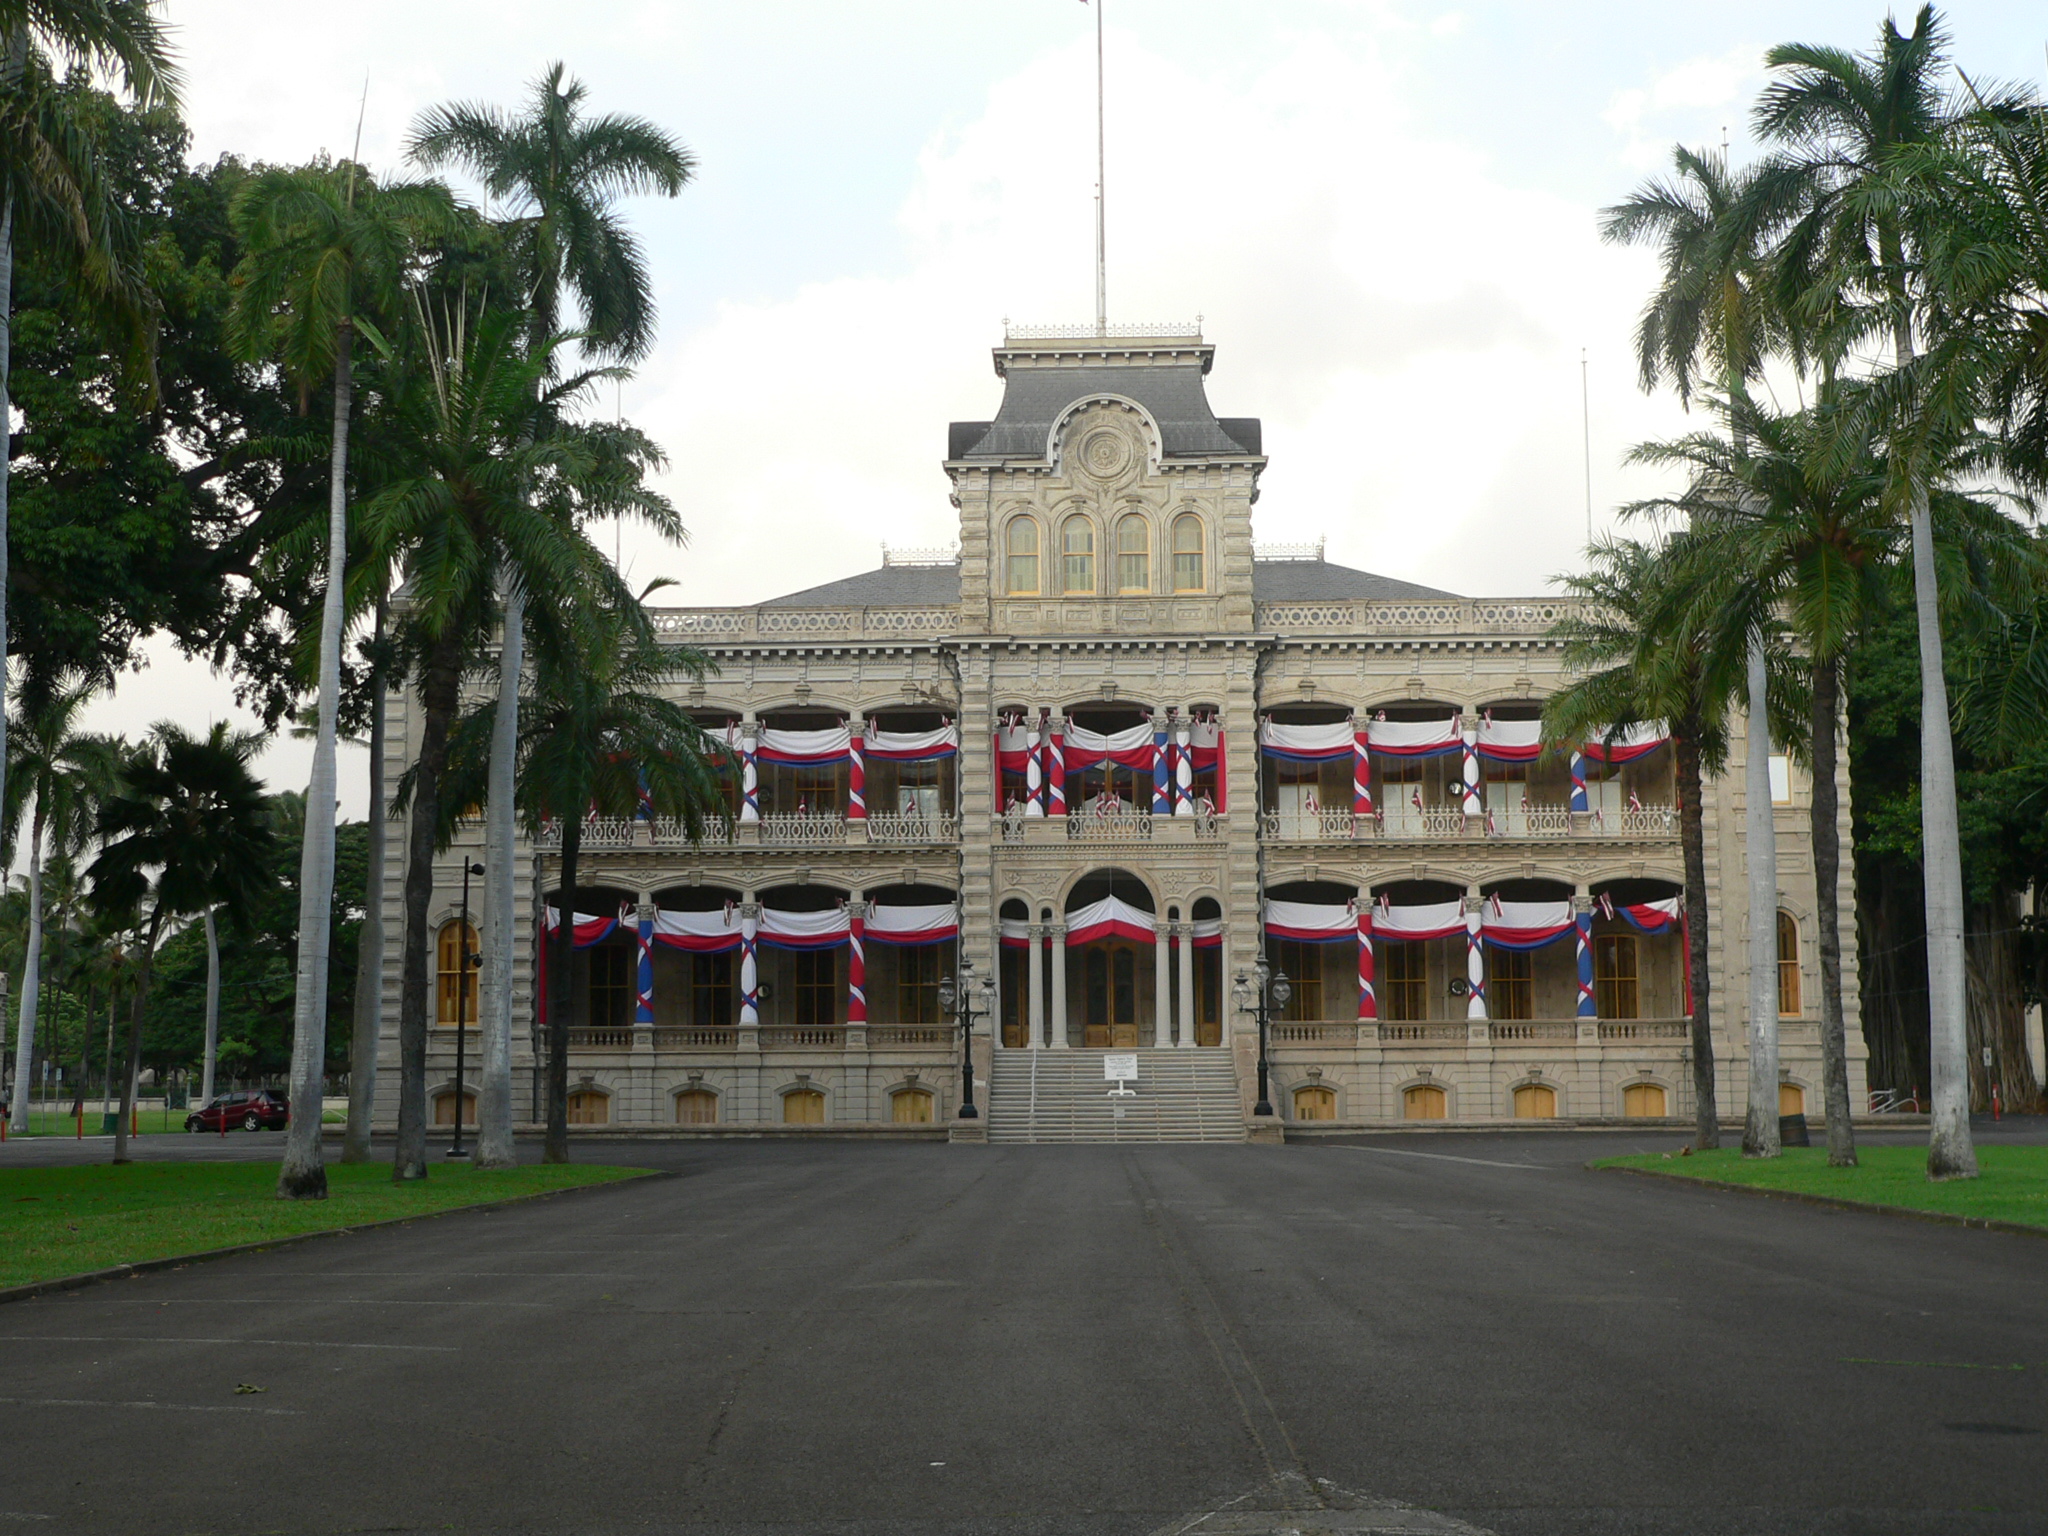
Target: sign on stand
{"points": [[1120, 1069]]}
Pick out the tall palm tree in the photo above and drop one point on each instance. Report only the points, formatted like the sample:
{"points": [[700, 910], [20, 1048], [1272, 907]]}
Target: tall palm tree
{"points": [[368, 1022], [560, 173], [1783, 518], [1629, 672], [51, 192], [475, 428], [187, 830], [325, 251], [63, 773], [1844, 123], [1711, 317], [598, 731]]}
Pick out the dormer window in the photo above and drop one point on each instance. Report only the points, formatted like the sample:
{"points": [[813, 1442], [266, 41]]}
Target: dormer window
{"points": [[1020, 575], [1187, 553], [1133, 554], [1077, 556]]}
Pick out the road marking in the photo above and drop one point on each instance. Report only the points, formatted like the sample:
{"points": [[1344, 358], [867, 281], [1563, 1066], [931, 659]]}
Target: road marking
{"points": [[454, 1274], [1937, 1365], [1445, 1157], [95, 1402], [115, 1338], [307, 1301]]}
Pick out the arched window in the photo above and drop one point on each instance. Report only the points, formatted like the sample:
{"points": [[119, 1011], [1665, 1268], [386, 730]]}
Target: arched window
{"points": [[451, 976], [1423, 1102], [1020, 566], [1791, 1099], [589, 1106], [803, 1106], [444, 1109], [1133, 554], [1315, 1103], [1187, 553], [913, 1106], [1643, 1101], [1077, 555], [696, 1106], [1534, 1101], [1788, 969]]}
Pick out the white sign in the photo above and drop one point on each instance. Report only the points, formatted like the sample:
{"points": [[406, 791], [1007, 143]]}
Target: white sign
{"points": [[1119, 1069]]}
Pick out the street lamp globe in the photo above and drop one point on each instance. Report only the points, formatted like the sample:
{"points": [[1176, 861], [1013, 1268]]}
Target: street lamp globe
{"points": [[948, 995], [1241, 992], [1283, 989]]}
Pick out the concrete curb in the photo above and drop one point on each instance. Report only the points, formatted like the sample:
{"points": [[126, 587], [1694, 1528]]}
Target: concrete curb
{"points": [[1831, 1203], [178, 1260]]}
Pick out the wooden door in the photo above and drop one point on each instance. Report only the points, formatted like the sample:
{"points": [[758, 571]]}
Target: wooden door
{"points": [[1111, 973]]}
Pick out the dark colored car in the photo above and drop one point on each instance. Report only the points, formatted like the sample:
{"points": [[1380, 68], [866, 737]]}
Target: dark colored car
{"points": [[264, 1110]]}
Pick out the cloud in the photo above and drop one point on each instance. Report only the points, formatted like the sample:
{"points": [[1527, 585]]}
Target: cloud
{"points": [[1693, 102]]}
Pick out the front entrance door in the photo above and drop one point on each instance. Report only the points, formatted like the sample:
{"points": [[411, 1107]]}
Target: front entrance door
{"points": [[1112, 974]]}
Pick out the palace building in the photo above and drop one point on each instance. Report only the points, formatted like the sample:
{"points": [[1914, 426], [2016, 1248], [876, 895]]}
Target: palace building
{"points": [[1091, 777]]}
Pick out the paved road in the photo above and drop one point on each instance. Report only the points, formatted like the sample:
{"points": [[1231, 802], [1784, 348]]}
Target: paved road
{"points": [[847, 1338]]}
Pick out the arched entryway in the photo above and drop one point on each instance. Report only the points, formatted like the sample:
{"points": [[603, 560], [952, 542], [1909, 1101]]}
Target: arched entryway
{"points": [[1112, 960]]}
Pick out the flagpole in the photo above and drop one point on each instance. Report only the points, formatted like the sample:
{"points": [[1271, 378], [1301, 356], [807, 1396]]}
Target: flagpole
{"points": [[1101, 261]]}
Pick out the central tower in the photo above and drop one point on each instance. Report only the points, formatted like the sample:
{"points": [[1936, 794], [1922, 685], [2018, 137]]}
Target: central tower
{"points": [[1105, 496]]}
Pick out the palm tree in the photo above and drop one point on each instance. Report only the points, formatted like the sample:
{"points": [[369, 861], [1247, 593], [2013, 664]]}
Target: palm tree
{"points": [[475, 427], [1630, 672], [597, 734], [63, 772], [51, 192], [1711, 312], [560, 172], [1787, 520], [187, 830], [324, 250], [369, 1002], [1846, 122]]}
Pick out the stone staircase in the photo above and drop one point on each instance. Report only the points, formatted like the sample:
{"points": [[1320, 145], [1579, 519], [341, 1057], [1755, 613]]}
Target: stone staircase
{"points": [[1049, 1095]]}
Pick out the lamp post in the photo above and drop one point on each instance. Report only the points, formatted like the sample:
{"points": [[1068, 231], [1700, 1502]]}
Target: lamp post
{"points": [[469, 959], [958, 1000], [1253, 1000]]}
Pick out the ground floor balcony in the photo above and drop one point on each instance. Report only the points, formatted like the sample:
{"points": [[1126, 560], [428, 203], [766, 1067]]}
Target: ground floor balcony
{"points": [[1449, 824], [792, 829]]}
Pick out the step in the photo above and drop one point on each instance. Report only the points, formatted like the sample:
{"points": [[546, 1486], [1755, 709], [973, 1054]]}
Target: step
{"points": [[1062, 1096]]}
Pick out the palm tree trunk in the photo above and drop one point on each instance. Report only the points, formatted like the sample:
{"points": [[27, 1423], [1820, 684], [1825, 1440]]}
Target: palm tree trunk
{"points": [[1950, 1152], [1692, 834], [31, 977], [494, 1124], [140, 1001], [364, 1040], [212, 1056], [560, 993], [16, 55], [1827, 867], [301, 1175], [438, 699], [1760, 837]]}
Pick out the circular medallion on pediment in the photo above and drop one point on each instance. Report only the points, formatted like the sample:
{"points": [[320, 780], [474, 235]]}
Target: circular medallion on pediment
{"points": [[1105, 453]]}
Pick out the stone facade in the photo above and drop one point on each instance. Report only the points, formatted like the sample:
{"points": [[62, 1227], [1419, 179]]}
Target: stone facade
{"points": [[1106, 578]]}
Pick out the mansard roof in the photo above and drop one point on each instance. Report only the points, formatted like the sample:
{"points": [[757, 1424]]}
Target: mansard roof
{"points": [[1273, 581]]}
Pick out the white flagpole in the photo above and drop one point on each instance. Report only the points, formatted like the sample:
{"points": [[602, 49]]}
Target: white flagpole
{"points": [[1101, 260]]}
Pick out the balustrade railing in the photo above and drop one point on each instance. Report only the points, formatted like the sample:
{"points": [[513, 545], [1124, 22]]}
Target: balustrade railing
{"points": [[1396, 822], [1416, 1033], [913, 828], [695, 1038], [1537, 1029], [889, 1036], [787, 1037], [1324, 1032], [607, 1038], [1645, 1029], [1113, 826], [802, 829]]}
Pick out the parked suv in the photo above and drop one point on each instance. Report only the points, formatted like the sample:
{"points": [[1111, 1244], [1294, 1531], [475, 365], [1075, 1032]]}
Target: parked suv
{"points": [[264, 1110]]}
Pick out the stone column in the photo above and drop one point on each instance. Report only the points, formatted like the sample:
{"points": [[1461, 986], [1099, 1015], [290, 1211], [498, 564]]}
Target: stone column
{"points": [[1162, 984], [1058, 1027], [750, 777], [1475, 956], [1187, 983], [1034, 1028]]}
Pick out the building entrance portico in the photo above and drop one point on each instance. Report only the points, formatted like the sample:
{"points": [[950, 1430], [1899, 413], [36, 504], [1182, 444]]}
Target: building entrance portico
{"points": [[1110, 994], [1116, 966]]}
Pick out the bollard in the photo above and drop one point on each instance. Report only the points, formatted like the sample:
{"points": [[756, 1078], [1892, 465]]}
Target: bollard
{"points": [[1994, 1101], [81, 1122]]}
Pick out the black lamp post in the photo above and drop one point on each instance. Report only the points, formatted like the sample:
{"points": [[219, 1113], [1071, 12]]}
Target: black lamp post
{"points": [[1253, 1000], [958, 1000], [470, 959]]}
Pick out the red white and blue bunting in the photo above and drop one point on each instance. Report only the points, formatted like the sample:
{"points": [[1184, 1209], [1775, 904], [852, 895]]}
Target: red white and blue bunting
{"points": [[1109, 918], [908, 926]]}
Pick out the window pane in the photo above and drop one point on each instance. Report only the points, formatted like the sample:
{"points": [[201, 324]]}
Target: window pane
{"points": [[449, 988], [1781, 779], [1788, 966], [1077, 545], [1510, 986], [1404, 972], [1023, 556], [1187, 554], [1133, 549], [1615, 994]]}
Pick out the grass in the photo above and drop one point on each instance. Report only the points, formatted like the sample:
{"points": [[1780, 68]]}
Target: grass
{"points": [[59, 1122], [68, 1221], [2013, 1186]]}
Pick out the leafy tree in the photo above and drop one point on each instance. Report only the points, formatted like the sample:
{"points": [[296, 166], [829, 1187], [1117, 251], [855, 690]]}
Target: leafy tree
{"points": [[560, 172], [186, 830]]}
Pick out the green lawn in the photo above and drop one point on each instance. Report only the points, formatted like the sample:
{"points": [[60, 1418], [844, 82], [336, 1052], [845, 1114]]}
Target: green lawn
{"points": [[2014, 1185], [59, 1121], [67, 1221]]}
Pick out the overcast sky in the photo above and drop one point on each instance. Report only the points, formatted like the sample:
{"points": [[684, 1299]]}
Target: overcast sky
{"points": [[1383, 213]]}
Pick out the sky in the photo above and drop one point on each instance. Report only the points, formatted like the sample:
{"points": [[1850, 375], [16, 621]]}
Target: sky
{"points": [[1384, 215]]}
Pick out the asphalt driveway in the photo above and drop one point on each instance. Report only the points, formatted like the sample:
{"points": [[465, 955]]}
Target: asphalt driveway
{"points": [[848, 1338]]}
